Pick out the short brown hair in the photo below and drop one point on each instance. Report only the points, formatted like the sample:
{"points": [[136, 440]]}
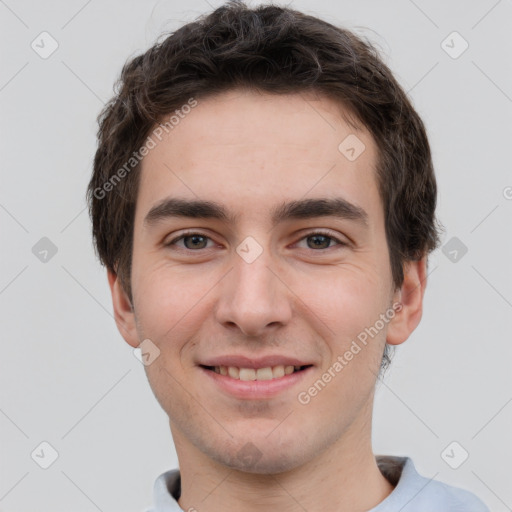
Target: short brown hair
{"points": [[276, 50]]}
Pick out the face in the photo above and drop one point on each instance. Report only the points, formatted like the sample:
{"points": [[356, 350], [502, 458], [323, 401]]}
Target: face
{"points": [[281, 270]]}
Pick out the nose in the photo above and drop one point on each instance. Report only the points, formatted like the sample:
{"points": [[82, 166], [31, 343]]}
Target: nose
{"points": [[253, 298]]}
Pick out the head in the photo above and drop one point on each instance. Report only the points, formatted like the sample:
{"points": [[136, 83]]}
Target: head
{"points": [[252, 109]]}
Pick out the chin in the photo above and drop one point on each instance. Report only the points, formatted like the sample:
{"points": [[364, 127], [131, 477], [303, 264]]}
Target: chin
{"points": [[263, 458], [273, 466]]}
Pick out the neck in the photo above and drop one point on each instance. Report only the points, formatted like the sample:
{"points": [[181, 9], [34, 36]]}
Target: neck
{"points": [[343, 477]]}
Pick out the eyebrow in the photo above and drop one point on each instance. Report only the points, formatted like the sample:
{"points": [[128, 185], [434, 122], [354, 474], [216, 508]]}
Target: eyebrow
{"points": [[299, 209]]}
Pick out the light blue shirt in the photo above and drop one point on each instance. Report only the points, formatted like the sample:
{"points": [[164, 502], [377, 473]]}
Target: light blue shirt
{"points": [[412, 492]]}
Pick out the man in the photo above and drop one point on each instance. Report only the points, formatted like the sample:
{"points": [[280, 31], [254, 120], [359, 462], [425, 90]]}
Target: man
{"points": [[264, 200]]}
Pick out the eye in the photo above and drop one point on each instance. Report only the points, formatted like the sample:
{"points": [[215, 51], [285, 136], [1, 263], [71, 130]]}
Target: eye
{"points": [[321, 240], [191, 241]]}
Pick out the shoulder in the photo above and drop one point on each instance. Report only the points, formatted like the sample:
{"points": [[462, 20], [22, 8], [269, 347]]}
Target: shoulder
{"points": [[453, 499], [416, 493]]}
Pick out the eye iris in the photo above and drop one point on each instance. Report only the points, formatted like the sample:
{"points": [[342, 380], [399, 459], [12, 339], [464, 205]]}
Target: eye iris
{"points": [[321, 241], [197, 240]]}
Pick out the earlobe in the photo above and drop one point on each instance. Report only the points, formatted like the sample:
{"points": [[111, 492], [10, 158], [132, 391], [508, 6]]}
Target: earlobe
{"points": [[410, 295], [123, 311]]}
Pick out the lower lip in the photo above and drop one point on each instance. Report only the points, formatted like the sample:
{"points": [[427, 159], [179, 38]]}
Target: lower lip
{"points": [[256, 389]]}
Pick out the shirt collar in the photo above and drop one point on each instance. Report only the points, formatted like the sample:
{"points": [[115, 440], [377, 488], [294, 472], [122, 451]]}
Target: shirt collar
{"points": [[167, 488]]}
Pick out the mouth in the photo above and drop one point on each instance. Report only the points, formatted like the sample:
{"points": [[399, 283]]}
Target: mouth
{"points": [[257, 383], [256, 374]]}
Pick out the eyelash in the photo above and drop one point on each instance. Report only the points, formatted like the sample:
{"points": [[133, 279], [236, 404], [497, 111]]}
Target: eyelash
{"points": [[307, 235]]}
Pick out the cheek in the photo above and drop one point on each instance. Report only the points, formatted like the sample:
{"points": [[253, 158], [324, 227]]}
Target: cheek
{"points": [[346, 300], [170, 303], [162, 292]]}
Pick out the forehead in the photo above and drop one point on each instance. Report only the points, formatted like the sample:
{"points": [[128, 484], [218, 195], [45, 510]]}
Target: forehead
{"points": [[251, 150]]}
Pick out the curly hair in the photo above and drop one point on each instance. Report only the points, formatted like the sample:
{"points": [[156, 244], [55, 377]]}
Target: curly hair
{"points": [[280, 51]]}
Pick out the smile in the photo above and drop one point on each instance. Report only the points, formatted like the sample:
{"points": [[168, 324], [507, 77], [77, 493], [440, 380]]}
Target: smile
{"points": [[258, 382], [250, 374]]}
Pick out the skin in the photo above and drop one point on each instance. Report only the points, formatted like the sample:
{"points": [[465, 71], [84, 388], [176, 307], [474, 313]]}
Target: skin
{"points": [[251, 151]]}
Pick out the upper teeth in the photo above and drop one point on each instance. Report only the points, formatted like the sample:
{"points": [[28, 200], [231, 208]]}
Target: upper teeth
{"points": [[268, 373]]}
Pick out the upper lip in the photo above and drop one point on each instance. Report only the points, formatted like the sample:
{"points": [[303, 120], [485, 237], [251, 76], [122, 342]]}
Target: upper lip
{"points": [[253, 362]]}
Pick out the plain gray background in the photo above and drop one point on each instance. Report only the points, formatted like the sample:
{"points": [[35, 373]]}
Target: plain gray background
{"points": [[68, 378]]}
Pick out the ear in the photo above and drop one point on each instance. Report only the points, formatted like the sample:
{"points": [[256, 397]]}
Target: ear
{"points": [[123, 311], [410, 295]]}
